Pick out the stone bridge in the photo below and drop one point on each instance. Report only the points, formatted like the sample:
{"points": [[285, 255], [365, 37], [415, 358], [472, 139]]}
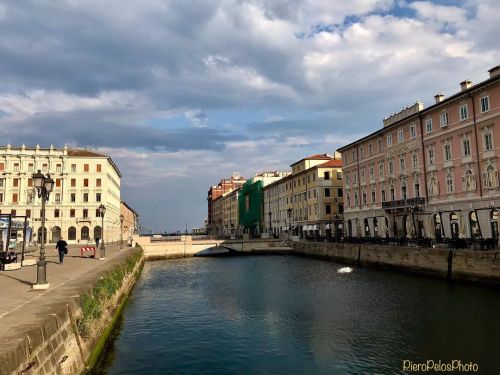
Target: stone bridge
{"points": [[187, 246]]}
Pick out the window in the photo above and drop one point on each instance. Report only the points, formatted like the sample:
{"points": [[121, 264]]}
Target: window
{"points": [[58, 197], [2, 166], [382, 194], [370, 148], [393, 194], [327, 175], [13, 212], [58, 168], [73, 182], [1, 197], [73, 168], [447, 152], [381, 169], [466, 146], [339, 175], [58, 182], [56, 213], [328, 209], [463, 112], [45, 167], [373, 196], [401, 136], [417, 190], [485, 104], [85, 197], [389, 140], [364, 197], [443, 119], [16, 167], [488, 141], [327, 192], [403, 191], [2, 182], [86, 182], [15, 182], [97, 213], [72, 197], [391, 167], [413, 131], [428, 125], [430, 154], [449, 183], [363, 175], [85, 167], [98, 167], [28, 213], [490, 177], [30, 167], [371, 172], [72, 212], [380, 145], [402, 164], [85, 213], [361, 151], [14, 198], [339, 192], [415, 161]]}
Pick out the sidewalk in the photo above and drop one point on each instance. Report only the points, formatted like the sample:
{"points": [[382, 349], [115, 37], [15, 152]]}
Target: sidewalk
{"points": [[17, 298]]}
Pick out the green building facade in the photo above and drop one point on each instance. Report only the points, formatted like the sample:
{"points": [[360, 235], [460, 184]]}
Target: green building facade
{"points": [[250, 205]]}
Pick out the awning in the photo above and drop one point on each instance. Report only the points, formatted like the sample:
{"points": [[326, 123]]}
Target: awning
{"points": [[315, 227], [304, 228], [327, 226]]}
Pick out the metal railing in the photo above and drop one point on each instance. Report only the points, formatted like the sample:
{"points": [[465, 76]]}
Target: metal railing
{"points": [[410, 202]]}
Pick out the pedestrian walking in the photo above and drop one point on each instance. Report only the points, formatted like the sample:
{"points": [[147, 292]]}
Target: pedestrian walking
{"points": [[97, 239], [62, 247]]}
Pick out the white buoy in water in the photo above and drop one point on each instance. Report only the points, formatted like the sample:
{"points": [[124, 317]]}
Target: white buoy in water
{"points": [[345, 270]]}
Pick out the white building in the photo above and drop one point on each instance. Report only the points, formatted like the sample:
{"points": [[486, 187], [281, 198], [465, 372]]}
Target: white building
{"points": [[83, 180]]}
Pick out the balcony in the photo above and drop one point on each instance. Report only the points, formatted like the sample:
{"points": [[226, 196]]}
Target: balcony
{"points": [[404, 203]]}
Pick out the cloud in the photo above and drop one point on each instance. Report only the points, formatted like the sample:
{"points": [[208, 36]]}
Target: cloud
{"points": [[184, 95]]}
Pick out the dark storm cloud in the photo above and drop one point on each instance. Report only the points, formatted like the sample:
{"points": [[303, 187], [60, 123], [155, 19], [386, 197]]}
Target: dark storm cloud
{"points": [[83, 130]]}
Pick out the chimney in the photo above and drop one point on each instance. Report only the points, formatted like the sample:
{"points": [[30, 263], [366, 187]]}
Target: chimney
{"points": [[464, 85], [494, 71], [439, 98]]}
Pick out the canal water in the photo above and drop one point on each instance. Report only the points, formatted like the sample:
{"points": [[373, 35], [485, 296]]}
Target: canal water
{"points": [[292, 315]]}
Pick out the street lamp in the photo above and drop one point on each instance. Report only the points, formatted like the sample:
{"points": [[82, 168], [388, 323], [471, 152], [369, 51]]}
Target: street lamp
{"points": [[121, 232], [43, 185], [102, 249]]}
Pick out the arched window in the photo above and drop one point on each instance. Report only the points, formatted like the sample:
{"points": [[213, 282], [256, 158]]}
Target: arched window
{"points": [[71, 233], [367, 228], [437, 227], [85, 233], [454, 225], [97, 232], [56, 234], [475, 230], [495, 215]]}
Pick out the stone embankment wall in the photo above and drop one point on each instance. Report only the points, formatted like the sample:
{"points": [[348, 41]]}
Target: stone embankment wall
{"points": [[471, 265], [71, 338]]}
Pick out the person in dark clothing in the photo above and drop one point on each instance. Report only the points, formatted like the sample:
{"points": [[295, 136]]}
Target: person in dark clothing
{"points": [[62, 247], [97, 239]]}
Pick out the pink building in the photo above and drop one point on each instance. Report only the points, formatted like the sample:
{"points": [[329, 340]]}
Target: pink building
{"points": [[429, 173]]}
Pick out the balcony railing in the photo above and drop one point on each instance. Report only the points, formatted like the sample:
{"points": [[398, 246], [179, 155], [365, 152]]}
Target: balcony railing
{"points": [[410, 202]]}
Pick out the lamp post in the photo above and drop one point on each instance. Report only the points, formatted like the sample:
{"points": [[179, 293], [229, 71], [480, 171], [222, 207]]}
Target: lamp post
{"points": [[43, 185], [121, 232], [102, 249]]}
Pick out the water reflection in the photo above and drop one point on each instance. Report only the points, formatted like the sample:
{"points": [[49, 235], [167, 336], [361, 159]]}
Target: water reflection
{"points": [[278, 314]]}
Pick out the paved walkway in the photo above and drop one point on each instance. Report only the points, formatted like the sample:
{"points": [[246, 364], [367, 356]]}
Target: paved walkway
{"points": [[17, 295]]}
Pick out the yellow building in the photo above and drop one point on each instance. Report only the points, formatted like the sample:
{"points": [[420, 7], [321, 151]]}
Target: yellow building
{"points": [[83, 180], [309, 202]]}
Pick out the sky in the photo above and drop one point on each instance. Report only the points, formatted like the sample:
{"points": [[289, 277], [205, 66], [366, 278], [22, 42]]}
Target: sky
{"points": [[184, 93]]}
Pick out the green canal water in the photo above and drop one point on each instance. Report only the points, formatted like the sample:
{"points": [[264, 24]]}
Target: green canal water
{"points": [[292, 315]]}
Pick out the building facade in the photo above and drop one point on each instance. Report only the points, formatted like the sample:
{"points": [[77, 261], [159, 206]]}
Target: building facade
{"points": [[429, 173], [130, 224], [308, 202], [83, 180], [216, 191]]}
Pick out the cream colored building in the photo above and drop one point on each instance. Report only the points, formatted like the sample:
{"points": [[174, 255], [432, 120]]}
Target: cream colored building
{"points": [[230, 213], [309, 201], [83, 180]]}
